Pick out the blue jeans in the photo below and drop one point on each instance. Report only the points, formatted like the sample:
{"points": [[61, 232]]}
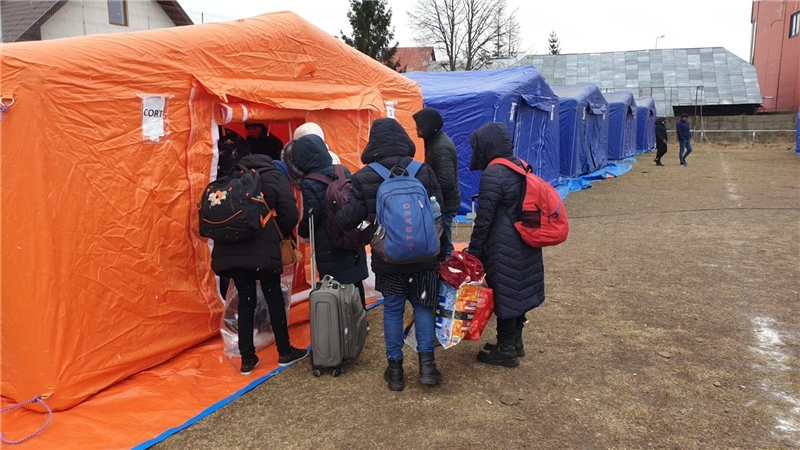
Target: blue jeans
{"points": [[394, 308], [446, 245], [688, 146]]}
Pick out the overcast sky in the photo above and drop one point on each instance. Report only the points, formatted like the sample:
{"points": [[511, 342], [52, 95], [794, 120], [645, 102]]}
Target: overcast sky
{"points": [[583, 26]]}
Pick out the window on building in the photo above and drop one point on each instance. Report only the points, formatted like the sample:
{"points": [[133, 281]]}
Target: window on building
{"points": [[794, 25], [118, 12]]}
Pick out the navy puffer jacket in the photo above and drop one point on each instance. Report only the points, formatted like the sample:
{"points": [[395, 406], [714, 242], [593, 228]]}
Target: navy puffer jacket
{"points": [[389, 145], [514, 270], [310, 155]]}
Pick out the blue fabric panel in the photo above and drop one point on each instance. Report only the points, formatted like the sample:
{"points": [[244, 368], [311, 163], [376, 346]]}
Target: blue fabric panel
{"points": [[471, 99]]}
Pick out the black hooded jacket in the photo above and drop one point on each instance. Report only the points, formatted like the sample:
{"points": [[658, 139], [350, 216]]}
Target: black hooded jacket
{"points": [[310, 155], [661, 131], [262, 252], [441, 155], [514, 270], [390, 146], [265, 144]]}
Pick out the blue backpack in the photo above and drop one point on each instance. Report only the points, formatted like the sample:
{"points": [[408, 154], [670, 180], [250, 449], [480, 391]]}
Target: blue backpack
{"points": [[407, 231]]}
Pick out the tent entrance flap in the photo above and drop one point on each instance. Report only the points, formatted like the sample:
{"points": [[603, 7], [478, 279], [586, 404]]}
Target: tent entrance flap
{"points": [[293, 95]]}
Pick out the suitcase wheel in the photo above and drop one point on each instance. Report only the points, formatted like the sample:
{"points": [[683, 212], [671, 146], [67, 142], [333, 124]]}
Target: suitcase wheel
{"points": [[336, 371], [317, 373]]}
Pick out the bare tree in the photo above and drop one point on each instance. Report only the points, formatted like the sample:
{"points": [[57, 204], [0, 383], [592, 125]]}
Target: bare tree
{"points": [[465, 30]]}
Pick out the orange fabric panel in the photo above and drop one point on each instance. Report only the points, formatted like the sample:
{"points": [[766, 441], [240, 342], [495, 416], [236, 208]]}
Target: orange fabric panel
{"points": [[104, 273]]}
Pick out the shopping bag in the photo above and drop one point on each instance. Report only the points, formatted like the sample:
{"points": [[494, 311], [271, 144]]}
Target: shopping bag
{"points": [[483, 312], [455, 311]]}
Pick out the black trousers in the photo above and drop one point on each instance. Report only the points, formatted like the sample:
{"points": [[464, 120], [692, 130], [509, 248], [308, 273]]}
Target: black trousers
{"points": [[508, 330], [662, 150], [245, 282]]}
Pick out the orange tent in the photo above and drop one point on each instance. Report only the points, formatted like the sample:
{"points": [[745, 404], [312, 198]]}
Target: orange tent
{"points": [[105, 151]]}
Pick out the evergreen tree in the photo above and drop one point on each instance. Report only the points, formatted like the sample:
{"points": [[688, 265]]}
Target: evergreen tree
{"points": [[555, 48], [372, 31]]}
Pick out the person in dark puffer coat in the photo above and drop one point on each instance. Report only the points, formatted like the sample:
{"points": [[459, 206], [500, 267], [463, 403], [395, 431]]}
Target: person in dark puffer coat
{"points": [[440, 154], [260, 259], [390, 146], [514, 270], [310, 155]]}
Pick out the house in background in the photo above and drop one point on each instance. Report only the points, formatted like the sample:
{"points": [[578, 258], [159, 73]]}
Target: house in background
{"points": [[415, 59], [775, 51], [35, 20]]}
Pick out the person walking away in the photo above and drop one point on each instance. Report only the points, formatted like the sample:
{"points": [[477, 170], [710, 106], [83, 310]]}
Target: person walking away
{"points": [[441, 156], [390, 146], [260, 259], [684, 138], [661, 139], [514, 270], [310, 155]]}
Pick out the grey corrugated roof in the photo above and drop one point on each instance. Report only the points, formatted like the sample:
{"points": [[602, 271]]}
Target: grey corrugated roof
{"points": [[670, 76], [18, 16]]}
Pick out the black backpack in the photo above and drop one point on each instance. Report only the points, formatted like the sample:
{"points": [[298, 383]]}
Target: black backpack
{"points": [[232, 148], [232, 208]]}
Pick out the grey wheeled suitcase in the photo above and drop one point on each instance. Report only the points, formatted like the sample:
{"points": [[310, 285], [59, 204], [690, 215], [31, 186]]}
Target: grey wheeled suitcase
{"points": [[338, 321]]}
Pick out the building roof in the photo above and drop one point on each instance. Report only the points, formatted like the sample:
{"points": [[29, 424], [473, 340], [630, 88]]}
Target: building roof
{"points": [[19, 17], [414, 59], [673, 77]]}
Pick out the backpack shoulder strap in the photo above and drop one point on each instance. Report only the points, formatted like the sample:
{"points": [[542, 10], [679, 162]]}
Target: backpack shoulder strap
{"points": [[413, 167], [511, 165], [380, 170], [338, 170], [319, 177]]}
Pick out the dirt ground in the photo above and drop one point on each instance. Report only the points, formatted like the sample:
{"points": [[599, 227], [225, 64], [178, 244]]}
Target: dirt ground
{"points": [[672, 321]]}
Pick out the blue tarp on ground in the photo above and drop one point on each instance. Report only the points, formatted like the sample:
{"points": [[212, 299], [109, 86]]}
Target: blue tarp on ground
{"points": [[645, 124], [621, 125], [520, 98], [583, 128], [570, 185]]}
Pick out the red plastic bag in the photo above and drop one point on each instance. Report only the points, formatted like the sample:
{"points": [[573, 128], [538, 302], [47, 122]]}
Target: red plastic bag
{"points": [[461, 268], [483, 312]]}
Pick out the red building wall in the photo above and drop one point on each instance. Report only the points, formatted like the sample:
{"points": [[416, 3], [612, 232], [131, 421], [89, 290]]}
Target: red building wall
{"points": [[776, 56]]}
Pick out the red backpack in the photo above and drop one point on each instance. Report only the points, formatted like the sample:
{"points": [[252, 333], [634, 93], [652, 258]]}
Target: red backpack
{"points": [[336, 197], [544, 218]]}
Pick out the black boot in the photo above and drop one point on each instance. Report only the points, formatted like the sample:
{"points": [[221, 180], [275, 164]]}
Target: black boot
{"points": [[501, 355], [518, 345], [428, 373], [394, 375]]}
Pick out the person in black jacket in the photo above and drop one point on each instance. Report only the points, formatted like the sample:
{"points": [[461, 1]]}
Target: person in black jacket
{"points": [[310, 155], [684, 130], [262, 142], [441, 156], [390, 146], [661, 139], [514, 270], [260, 259]]}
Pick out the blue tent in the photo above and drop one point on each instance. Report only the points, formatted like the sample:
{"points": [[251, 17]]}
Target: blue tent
{"points": [[520, 98], [621, 125], [584, 129], [645, 124]]}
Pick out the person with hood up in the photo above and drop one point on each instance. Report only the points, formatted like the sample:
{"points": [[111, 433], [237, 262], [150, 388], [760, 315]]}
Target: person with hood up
{"points": [[262, 142], [310, 155], [441, 156], [514, 270], [312, 128], [260, 259], [661, 139], [390, 146]]}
